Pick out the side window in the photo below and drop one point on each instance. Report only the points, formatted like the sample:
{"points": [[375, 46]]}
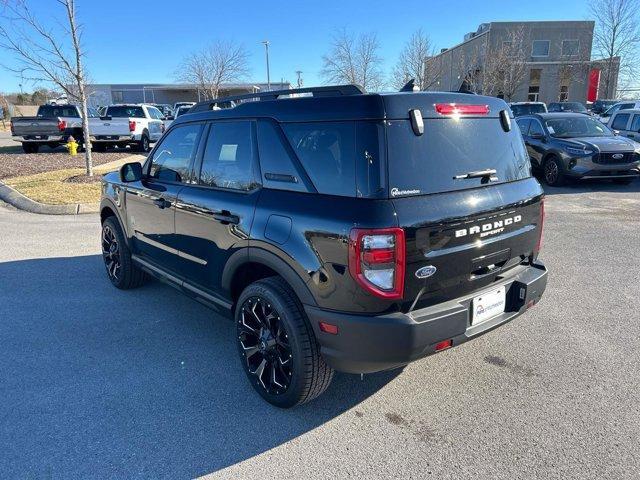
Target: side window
{"points": [[635, 125], [535, 128], [279, 170], [154, 113], [523, 125], [228, 160], [620, 121], [171, 160], [627, 106], [327, 152]]}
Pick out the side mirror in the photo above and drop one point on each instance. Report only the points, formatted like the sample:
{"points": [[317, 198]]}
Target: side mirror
{"points": [[131, 172]]}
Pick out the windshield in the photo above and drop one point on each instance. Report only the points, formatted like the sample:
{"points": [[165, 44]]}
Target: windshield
{"points": [[519, 110], [449, 148], [577, 127]]}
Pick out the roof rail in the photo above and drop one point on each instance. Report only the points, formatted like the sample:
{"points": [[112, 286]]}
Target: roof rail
{"points": [[328, 91]]}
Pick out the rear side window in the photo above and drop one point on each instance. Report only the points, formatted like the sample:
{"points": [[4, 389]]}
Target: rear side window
{"points": [[327, 153], [228, 160], [172, 159], [450, 147], [279, 169], [123, 112], [620, 122], [52, 111], [635, 125]]}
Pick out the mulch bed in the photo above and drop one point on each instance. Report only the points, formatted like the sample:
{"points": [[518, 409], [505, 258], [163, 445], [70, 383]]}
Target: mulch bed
{"points": [[15, 163], [84, 179]]}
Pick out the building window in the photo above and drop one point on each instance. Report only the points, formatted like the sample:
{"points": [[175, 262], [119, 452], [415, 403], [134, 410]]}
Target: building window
{"points": [[564, 93], [540, 48], [117, 96], [534, 84], [570, 48]]}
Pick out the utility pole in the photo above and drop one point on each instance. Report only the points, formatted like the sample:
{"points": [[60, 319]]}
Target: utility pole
{"points": [[299, 74], [266, 48]]}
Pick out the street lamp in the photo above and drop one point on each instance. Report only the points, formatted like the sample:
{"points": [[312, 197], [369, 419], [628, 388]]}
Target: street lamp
{"points": [[266, 48]]}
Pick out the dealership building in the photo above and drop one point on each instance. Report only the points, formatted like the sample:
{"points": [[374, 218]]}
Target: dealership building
{"points": [[550, 49], [108, 94]]}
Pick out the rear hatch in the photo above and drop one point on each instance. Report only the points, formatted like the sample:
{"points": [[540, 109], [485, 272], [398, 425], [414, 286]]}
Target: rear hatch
{"points": [[462, 234], [112, 127], [35, 126]]}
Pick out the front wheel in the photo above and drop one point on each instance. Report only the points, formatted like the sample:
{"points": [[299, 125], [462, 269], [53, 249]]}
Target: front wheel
{"points": [[553, 175], [278, 350]]}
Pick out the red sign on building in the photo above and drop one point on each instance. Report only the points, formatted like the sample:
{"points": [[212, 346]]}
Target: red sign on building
{"points": [[594, 83]]}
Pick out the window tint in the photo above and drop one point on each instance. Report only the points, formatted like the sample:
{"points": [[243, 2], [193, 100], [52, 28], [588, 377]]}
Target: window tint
{"points": [[620, 122], [327, 153], [535, 128], [627, 106], [523, 125], [228, 157], [120, 111], [279, 170], [635, 125], [540, 48], [171, 160], [51, 111]]}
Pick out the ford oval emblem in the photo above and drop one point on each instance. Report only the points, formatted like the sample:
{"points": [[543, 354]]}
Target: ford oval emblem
{"points": [[617, 156], [426, 272]]}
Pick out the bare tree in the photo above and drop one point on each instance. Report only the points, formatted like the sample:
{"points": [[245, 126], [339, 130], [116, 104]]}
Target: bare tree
{"points": [[412, 63], [43, 55], [354, 60], [509, 64], [478, 71], [616, 34], [219, 63]]}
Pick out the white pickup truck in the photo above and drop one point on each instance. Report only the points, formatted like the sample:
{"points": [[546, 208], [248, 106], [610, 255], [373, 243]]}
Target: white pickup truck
{"points": [[137, 125]]}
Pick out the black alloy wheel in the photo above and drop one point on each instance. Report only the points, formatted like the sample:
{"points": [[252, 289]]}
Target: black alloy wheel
{"points": [[111, 253], [553, 175], [264, 345]]}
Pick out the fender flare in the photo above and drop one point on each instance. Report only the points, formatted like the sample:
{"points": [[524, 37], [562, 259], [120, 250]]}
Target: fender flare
{"points": [[108, 203], [268, 259]]}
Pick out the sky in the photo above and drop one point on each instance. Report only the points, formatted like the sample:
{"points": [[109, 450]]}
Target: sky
{"points": [[144, 41]]}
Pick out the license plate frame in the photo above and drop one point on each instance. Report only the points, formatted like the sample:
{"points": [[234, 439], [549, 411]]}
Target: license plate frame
{"points": [[488, 305]]}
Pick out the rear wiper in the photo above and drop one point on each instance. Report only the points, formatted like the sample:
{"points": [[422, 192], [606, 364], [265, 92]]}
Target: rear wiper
{"points": [[489, 173]]}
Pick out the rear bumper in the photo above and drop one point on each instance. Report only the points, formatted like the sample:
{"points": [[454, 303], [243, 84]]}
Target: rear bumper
{"points": [[366, 344], [112, 138]]}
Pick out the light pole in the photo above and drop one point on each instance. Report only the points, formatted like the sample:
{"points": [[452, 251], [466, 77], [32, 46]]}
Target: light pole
{"points": [[266, 48]]}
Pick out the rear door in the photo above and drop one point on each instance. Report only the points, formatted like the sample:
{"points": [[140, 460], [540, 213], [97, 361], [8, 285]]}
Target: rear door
{"points": [[472, 230], [215, 213]]}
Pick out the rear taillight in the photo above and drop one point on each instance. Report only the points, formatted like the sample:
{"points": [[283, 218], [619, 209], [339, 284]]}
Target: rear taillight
{"points": [[461, 109], [540, 229], [377, 260], [62, 125], [132, 126]]}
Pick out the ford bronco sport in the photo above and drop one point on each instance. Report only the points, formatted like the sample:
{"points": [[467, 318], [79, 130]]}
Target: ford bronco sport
{"points": [[341, 230]]}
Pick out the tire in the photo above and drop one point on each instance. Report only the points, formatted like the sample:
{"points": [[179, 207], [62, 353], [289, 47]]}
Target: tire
{"points": [[622, 181], [121, 271], [30, 147], [552, 172], [284, 383], [143, 144]]}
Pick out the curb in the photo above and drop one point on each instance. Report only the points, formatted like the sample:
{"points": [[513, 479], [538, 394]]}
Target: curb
{"points": [[18, 200]]}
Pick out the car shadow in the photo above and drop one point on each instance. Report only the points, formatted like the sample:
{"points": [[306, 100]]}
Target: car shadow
{"points": [[590, 185], [98, 382]]}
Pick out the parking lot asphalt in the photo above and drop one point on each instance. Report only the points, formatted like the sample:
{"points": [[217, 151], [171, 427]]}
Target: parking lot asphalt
{"points": [[101, 383]]}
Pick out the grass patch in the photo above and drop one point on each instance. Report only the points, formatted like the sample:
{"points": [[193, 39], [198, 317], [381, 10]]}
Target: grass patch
{"points": [[53, 188]]}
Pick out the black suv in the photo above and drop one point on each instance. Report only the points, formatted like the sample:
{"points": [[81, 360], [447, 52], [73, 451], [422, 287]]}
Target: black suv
{"points": [[341, 230]]}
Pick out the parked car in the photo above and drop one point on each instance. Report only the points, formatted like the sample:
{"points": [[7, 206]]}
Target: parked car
{"points": [[626, 105], [575, 107], [600, 106], [316, 223], [626, 123], [177, 105], [122, 125], [52, 126], [571, 145], [524, 108], [182, 110]]}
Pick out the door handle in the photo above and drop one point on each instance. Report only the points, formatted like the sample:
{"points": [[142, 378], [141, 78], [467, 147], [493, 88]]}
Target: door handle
{"points": [[225, 217], [161, 203]]}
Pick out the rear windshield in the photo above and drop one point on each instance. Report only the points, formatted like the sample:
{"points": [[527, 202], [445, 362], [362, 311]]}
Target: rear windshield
{"points": [[121, 112], [52, 111], [450, 147], [527, 109]]}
